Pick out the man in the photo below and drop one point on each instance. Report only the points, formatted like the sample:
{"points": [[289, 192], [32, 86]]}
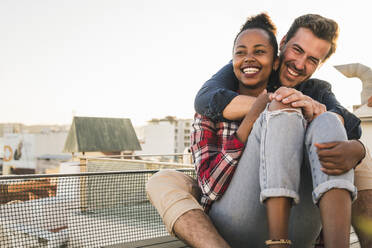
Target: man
{"points": [[301, 53]]}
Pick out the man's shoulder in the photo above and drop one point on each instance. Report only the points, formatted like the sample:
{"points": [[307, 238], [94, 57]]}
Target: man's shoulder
{"points": [[318, 83], [315, 88]]}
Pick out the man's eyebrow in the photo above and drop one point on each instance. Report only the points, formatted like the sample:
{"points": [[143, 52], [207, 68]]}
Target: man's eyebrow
{"points": [[315, 59], [299, 47]]}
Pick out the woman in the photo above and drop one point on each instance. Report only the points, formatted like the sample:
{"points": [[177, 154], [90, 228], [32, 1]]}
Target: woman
{"points": [[217, 146]]}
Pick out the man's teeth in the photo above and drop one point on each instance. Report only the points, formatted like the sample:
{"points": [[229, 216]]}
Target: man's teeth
{"points": [[293, 73], [250, 70]]}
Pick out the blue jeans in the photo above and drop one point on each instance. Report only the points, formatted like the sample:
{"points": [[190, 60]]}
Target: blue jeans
{"points": [[280, 160]]}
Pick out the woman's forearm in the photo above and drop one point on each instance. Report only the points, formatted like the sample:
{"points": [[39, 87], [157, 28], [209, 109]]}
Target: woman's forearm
{"points": [[256, 108], [238, 108]]}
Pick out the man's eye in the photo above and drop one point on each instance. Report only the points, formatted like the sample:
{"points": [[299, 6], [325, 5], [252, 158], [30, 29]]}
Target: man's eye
{"points": [[314, 62], [296, 50]]}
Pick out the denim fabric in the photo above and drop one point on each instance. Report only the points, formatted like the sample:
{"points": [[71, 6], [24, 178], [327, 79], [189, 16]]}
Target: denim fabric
{"points": [[326, 128], [280, 163], [219, 90], [272, 165]]}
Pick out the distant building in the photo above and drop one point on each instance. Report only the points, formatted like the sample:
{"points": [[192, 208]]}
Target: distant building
{"points": [[165, 136], [25, 153], [6, 128], [110, 136]]}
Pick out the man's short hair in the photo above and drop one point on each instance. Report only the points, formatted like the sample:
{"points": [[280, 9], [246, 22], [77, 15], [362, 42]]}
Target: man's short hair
{"points": [[323, 28]]}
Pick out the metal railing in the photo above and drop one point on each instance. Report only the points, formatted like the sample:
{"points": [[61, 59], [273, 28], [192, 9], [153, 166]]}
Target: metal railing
{"points": [[94, 164], [90, 209]]}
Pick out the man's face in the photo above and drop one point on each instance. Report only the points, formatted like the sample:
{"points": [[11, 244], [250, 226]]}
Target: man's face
{"points": [[301, 56]]}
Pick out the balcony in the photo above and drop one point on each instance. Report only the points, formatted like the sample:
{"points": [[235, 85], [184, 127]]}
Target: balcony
{"points": [[102, 204]]}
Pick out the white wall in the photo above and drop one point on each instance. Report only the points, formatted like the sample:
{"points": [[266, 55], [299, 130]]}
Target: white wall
{"points": [[159, 138], [49, 143]]}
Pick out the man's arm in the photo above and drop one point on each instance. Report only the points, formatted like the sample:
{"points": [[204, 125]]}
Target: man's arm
{"points": [[340, 157], [351, 122], [321, 91], [217, 93]]}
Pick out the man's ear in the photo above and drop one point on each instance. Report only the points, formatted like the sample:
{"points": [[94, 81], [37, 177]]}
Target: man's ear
{"points": [[282, 43], [276, 64]]}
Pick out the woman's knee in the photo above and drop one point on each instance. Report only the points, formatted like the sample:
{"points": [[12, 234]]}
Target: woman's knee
{"points": [[275, 105]]}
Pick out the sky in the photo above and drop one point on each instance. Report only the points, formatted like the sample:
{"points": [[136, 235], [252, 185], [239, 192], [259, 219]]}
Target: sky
{"points": [[144, 59]]}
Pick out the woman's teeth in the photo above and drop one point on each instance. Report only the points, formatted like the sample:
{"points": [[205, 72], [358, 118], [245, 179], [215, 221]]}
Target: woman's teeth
{"points": [[250, 70]]}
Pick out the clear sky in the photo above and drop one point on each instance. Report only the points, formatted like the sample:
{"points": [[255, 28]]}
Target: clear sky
{"points": [[143, 59]]}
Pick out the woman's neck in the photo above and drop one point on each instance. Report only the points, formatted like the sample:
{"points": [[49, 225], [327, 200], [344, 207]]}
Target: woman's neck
{"points": [[244, 90]]}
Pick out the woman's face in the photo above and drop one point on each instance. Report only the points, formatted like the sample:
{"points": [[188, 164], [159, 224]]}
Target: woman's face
{"points": [[253, 58]]}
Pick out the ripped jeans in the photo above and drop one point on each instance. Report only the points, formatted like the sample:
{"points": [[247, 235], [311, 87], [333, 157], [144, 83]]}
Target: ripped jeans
{"points": [[280, 160]]}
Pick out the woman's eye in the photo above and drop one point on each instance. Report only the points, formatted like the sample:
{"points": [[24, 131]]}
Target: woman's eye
{"points": [[239, 52], [260, 51]]}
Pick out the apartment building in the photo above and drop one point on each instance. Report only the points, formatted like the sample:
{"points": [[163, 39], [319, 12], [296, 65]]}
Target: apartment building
{"points": [[165, 136]]}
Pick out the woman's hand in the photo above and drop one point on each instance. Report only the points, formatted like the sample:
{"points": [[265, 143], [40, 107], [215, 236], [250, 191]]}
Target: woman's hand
{"points": [[260, 103], [258, 106]]}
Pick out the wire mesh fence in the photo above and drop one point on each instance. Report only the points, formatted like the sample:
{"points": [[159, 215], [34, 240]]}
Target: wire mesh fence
{"points": [[92, 209]]}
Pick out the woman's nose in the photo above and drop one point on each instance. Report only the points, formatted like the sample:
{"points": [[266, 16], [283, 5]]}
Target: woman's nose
{"points": [[249, 58]]}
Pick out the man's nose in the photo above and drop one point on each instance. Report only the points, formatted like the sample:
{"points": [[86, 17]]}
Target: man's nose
{"points": [[300, 63]]}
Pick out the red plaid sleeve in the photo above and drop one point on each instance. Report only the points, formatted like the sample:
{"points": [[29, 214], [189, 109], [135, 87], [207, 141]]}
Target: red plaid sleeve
{"points": [[216, 151]]}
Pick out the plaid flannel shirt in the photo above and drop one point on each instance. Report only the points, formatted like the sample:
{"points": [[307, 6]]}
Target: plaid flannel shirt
{"points": [[216, 151]]}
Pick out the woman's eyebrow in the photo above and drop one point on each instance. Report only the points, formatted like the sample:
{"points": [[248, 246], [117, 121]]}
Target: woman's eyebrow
{"points": [[241, 46], [257, 45]]}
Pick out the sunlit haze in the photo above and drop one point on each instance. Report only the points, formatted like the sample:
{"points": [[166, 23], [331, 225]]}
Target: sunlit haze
{"points": [[143, 59]]}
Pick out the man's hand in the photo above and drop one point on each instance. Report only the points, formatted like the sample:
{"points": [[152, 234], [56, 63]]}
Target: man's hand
{"points": [[310, 108], [339, 157]]}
